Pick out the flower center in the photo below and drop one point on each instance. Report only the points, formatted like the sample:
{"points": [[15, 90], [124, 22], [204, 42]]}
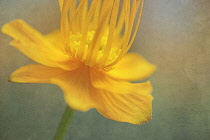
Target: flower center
{"points": [[87, 49]]}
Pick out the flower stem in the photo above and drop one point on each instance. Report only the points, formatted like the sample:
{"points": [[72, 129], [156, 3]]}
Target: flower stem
{"points": [[64, 124]]}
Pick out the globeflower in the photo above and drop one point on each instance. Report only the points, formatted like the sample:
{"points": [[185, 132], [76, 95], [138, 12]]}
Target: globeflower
{"points": [[87, 58]]}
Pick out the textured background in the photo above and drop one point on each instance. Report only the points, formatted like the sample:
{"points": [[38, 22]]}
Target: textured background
{"points": [[174, 35]]}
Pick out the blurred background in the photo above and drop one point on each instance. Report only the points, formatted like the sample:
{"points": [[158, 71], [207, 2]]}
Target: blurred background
{"points": [[174, 35]]}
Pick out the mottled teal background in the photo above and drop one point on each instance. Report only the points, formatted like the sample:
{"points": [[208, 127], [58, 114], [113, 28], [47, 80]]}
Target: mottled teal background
{"points": [[174, 35]]}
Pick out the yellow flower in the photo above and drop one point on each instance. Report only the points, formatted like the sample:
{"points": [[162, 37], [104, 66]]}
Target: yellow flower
{"points": [[88, 58]]}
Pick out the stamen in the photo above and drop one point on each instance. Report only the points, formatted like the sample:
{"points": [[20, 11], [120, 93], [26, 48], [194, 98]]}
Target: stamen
{"points": [[96, 16], [130, 24], [64, 22], [137, 25], [94, 47], [126, 47], [75, 44], [85, 30], [100, 34], [111, 31], [81, 14]]}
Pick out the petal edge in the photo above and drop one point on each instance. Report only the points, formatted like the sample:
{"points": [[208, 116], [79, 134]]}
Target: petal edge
{"points": [[132, 67], [132, 108]]}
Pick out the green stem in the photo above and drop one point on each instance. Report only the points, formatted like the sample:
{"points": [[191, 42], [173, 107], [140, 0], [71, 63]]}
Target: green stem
{"points": [[64, 124]]}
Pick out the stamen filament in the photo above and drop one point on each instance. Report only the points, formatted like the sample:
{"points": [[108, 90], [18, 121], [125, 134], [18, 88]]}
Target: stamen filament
{"points": [[93, 48], [111, 32], [100, 34], [124, 50], [85, 30]]}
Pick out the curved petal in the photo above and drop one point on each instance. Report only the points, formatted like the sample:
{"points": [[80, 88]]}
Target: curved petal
{"points": [[132, 67], [75, 85], [120, 100], [103, 81], [55, 38], [135, 108], [36, 46], [60, 2], [35, 74]]}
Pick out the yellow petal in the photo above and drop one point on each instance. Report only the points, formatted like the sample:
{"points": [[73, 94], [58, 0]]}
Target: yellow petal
{"points": [[75, 85], [103, 81], [120, 100], [35, 74], [132, 67], [135, 108], [36, 46], [55, 38], [61, 4]]}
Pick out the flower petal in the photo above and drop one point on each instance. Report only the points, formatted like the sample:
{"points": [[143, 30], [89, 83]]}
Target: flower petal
{"points": [[36, 46], [135, 108], [35, 74], [75, 85], [61, 4], [55, 38], [103, 81], [132, 67], [120, 100]]}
